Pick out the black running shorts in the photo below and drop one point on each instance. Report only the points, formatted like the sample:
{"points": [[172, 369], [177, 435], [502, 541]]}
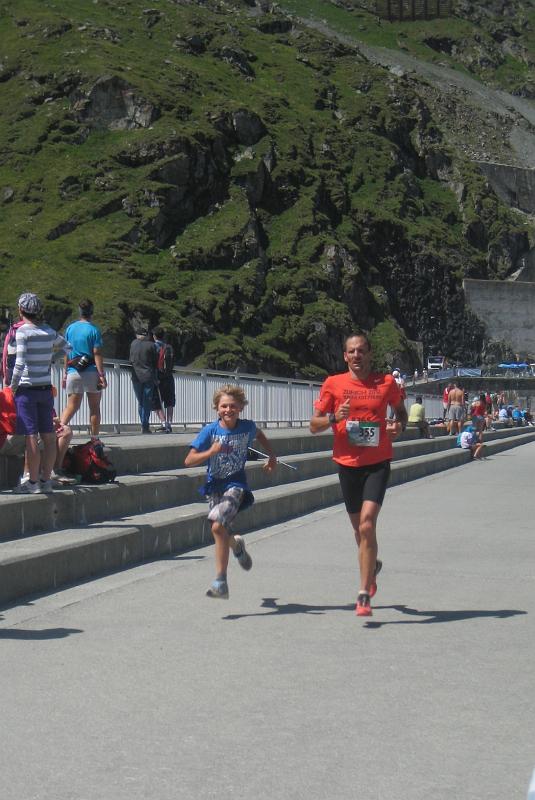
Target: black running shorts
{"points": [[363, 483]]}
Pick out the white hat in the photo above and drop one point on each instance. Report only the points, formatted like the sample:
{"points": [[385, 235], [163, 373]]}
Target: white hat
{"points": [[30, 303]]}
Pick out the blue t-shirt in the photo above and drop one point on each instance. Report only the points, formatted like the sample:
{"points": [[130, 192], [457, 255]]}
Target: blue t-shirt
{"points": [[83, 337], [226, 468]]}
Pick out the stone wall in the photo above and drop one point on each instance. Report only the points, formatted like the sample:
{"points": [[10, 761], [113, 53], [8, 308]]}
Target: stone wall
{"points": [[507, 309], [514, 185]]}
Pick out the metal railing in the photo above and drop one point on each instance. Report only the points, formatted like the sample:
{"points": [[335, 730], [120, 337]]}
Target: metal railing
{"points": [[272, 401]]}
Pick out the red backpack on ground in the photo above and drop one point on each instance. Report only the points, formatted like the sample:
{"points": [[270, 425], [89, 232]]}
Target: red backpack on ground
{"points": [[90, 463]]}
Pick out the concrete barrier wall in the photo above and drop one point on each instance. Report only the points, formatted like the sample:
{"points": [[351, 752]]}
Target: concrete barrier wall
{"points": [[506, 308]]}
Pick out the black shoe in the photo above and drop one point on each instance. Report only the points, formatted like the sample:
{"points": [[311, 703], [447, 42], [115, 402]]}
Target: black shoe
{"points": [[146, 430]]}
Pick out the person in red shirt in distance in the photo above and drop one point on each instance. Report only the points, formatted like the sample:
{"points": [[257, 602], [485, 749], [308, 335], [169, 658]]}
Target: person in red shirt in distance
{"points": [[354, 404]]}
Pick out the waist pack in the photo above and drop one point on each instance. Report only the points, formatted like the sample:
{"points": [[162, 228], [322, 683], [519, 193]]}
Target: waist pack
{"points": [[80, 362], [90, 463]]}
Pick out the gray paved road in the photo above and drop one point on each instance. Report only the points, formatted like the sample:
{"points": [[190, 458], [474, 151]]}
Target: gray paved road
{"points": [[136, 686]]}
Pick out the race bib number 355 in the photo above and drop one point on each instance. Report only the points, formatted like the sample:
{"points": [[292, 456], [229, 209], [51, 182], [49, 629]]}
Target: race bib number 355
{"points": [[363, 434]]}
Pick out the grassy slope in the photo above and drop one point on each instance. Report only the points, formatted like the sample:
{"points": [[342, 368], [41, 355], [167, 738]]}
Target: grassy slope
{"points": [[272, 314]]}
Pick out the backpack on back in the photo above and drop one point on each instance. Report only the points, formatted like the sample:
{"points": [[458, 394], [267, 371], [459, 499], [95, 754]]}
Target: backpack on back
{"points": [[165, 360], [90, 463]]}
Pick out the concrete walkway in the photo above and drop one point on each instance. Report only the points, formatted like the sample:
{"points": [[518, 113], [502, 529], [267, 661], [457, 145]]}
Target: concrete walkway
{"points": [[137, 686]]}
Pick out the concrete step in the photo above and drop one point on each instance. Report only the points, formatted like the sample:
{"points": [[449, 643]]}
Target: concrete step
{"points": [[44, 562], [142, 493]]}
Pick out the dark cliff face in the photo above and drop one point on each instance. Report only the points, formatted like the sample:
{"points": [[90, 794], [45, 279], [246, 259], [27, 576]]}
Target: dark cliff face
{"points": [[254, 187]]}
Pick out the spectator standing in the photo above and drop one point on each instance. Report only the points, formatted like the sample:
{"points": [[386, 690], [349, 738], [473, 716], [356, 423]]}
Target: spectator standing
{"points": [[144, 366], [478, 413], [455, 409], [417, 418], [9, 351], [400, 380], [84, 368], [445, 394], [32, 386], [164, 392]]}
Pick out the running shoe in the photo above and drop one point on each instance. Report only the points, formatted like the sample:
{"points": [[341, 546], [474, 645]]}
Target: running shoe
{"points": [[378, 568], [28, 488], [47, 487], [218, 589], [244, 559], [363, 608]]}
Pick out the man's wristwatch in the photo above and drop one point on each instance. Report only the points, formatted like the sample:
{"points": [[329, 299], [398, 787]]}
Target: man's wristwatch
{"points": [[332, 419]]}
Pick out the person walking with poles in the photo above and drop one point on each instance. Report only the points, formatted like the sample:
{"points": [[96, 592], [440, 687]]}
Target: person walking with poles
{"points": [[354, 404]]}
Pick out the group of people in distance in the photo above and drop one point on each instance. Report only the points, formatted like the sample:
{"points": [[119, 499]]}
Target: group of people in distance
{"points": [[29, 423]]}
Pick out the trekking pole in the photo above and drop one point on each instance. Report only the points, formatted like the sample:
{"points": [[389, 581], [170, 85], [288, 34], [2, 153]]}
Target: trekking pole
{"points": [[279, 461]]}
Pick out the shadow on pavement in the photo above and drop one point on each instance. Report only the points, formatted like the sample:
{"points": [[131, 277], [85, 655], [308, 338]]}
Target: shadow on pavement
{"points": [[47, 633], [289, 608], [426, 617], [432, 617]]}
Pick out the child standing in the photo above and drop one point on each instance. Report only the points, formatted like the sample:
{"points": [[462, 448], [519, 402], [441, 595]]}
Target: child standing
{"points": [[223, 444]]}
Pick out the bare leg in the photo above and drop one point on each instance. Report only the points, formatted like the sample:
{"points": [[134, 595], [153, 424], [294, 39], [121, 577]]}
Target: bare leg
{"points": [[364, 527], [33, 457], [74, 401], [49, 454], [222, 547], [62, 445], [93, 398]]}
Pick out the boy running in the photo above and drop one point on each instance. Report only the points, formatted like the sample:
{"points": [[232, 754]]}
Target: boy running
{"points": [[223, 444]]}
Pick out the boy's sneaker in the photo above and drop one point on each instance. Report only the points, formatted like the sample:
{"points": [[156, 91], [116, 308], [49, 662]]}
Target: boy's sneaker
{"points": [[244, 559], [47, 487], [378, 568], [363, 608], [28, 488], [218, 589]]}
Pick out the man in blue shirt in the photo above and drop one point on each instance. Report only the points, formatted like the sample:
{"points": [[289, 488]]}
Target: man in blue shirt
{"points": [[84, 368]]}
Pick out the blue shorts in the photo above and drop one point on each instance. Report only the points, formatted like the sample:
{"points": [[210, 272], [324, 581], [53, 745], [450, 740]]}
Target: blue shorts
{"points": [[35, 410]]}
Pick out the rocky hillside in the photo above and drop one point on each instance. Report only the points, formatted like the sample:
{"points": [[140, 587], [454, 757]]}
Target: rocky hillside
{"points": [[257, 185]]}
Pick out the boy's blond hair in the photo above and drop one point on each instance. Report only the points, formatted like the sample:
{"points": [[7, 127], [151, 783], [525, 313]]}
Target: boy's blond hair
{"points": [[234, 391]]}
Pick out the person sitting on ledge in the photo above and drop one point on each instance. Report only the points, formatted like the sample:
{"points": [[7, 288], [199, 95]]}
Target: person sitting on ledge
{"points": [[467, 440], [417, 418]]}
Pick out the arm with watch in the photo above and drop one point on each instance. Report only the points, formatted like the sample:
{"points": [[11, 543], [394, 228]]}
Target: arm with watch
{"points": [[99, 363], [320, 422]]}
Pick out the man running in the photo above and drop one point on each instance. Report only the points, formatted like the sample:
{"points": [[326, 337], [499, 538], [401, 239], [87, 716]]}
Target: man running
{"points": [[355, 404]]}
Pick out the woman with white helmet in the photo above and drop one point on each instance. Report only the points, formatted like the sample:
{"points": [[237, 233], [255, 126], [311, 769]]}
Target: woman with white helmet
{"points": [[31, 384]]}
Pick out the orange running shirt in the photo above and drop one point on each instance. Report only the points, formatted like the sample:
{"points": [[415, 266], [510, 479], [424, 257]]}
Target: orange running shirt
{"points": [[361, 439]]}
